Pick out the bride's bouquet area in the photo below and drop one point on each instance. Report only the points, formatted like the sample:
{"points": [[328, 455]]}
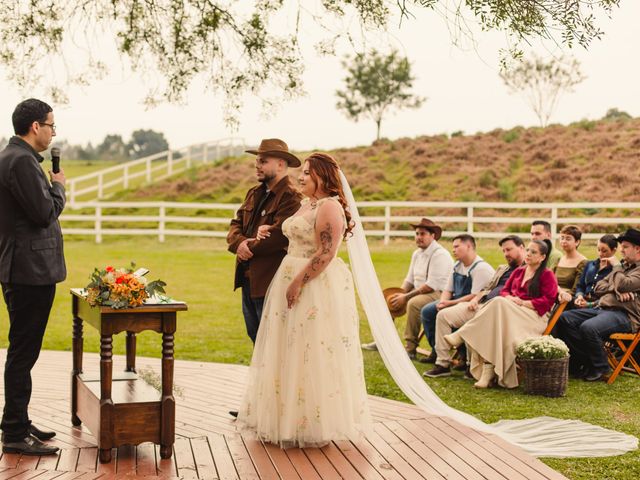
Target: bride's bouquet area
{"points": [[121, 287]]}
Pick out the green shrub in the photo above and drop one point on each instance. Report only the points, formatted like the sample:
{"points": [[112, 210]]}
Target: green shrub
{"points": [[511, 136]]}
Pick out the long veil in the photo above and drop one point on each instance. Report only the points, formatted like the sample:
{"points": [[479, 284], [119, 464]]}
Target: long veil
{"points": [[540, 436]]}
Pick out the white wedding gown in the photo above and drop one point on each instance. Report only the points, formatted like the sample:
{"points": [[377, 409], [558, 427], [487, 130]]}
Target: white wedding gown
{"points": [[306, 382]]}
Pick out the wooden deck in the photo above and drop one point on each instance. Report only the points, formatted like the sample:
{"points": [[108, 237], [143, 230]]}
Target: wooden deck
{"points": [[406, 444]]}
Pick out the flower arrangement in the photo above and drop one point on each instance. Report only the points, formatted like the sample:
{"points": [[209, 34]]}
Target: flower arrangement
{"points": [[542, 348], [121, 287]]}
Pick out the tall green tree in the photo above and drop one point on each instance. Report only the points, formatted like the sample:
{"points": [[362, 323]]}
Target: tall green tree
{"points": [[237, 47], [376, 84], [146, 142], [543, 82], [113, 148]]}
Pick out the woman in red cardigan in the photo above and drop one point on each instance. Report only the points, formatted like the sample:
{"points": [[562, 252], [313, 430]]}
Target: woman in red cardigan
{"points": [[521, 311]]}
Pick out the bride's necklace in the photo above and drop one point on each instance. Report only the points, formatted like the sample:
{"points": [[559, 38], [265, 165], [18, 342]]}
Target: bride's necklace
{"points": [[313, 202]]}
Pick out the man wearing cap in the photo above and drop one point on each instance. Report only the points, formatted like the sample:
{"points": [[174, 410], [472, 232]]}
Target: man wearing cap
{"points": [[430, 268], [618, 311], [269, 203]]}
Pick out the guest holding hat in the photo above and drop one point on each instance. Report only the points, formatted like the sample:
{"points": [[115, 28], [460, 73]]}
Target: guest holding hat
{"points": [[269, 203], [618, 311], [429, 271]]}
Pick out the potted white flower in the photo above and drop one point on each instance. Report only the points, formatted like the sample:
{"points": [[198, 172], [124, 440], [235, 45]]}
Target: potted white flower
{"points": [[545, 364]]}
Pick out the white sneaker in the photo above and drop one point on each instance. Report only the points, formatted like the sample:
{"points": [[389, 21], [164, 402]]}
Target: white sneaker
{"points": [[370, 346]]}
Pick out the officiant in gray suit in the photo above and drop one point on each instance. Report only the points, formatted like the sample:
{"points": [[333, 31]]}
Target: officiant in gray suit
{"points": [[31, 263]]}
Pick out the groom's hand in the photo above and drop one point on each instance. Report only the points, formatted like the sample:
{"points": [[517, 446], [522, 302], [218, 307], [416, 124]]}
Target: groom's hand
{"points": [[243, 251]]}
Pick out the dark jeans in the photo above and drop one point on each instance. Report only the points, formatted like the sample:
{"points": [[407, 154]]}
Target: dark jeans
{"points": [[29, 307], [251, 309], [585, 330], [428, 316]]}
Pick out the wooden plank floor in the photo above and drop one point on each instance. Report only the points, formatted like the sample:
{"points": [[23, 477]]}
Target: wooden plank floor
{"points": [[406, 442]]}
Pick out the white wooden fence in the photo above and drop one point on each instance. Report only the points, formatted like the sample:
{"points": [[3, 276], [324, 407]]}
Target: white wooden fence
{"points": [[162, 219], [98, 185]]}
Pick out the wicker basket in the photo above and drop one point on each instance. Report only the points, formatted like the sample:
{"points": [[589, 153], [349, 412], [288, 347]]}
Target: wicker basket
{"points": [[545, 377]]}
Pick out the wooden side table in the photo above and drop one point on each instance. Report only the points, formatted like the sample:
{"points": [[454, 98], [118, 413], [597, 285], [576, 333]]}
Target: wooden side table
{"points": [[123, 409]]}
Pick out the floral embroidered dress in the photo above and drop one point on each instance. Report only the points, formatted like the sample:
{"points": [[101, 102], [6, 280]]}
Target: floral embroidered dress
{"points": [[306, 383]]}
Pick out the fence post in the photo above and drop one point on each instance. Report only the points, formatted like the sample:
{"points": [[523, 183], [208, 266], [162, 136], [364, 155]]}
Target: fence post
{"points": [[125, 177], [554, 223], [469, 220], [170, 163], [162, 223], [387, 224], [205, 153], [98, 224], [100, 186], [72, 191], [148, 170]]}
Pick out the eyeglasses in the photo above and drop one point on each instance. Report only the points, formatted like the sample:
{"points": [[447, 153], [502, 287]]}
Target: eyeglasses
{"points": [[52, 125]]}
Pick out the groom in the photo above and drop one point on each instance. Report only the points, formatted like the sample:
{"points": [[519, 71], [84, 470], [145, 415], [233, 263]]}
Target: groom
{"points": [[269, 203]]}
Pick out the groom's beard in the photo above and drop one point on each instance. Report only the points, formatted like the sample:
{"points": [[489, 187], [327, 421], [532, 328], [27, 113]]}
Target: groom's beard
{"points": [[267, 178]]}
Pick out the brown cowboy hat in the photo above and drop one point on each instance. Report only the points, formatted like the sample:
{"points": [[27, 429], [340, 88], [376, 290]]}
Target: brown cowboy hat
{"points": [[388, 293], [275, 147], [429, 225]]}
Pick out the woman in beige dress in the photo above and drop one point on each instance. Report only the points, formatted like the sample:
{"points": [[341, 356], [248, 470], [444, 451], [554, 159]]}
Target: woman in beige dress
{"points": [[521, 311]]}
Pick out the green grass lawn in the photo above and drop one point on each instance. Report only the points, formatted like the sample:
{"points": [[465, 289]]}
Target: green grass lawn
{"points": [[77, 168], [200, 272]]}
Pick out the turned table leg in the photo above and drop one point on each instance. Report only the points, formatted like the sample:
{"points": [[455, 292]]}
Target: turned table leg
{"points": [[77, 348], [105, 442], [168, 403]]}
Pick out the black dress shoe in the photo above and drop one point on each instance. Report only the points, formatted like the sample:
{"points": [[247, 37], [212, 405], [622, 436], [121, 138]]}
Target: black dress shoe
{"points": [[233, 413], [430, 359], [29, 446], [41, 434], [595, 376]]}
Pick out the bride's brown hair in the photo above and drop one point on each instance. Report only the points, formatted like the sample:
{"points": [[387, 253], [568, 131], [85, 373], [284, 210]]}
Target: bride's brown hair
{"points": [[326, 173]]}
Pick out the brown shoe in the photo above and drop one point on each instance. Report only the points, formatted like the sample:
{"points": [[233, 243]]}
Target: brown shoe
{"points": [[430, 359], [438, 371]]}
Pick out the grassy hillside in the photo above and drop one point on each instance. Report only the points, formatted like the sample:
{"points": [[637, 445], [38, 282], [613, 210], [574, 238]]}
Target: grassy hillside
{"points": [[584, 161]]}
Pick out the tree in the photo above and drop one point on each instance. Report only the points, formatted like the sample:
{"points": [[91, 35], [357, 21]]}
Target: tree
{"points": [[234, 45], [146, 142], [613, 114], [375, 85], [113, 148], [543, 83]]}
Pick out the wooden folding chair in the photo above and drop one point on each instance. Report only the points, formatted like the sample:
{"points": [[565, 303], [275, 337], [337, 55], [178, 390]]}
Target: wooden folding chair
{"points": [[555, 315], [627, 343]]}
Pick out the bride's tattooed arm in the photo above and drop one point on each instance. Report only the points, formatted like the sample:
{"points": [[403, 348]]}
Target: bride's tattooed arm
{"points": [[328, 232]]}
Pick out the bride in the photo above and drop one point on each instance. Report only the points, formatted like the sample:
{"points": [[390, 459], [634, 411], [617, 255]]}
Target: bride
{"points": [[306, 382]]}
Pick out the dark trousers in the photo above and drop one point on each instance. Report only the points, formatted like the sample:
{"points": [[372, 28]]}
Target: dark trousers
{"points": [[29, 307], [584, 331], [428, 316], [251, 309]]}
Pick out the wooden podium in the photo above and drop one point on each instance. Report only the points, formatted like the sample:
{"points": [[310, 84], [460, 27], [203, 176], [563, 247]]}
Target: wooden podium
{"points": [[122, 409]]}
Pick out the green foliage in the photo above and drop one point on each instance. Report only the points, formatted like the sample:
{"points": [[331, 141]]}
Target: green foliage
{"points": [[488, 179], [542, 348], [613, 114], [543, 82], [146, 142], [376, 84], [112, 148], [511, 135], [585, 124], [457, 133], [506, 189]]}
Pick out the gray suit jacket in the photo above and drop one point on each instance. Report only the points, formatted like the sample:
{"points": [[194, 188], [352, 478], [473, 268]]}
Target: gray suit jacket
{"points": [[31, 249]]}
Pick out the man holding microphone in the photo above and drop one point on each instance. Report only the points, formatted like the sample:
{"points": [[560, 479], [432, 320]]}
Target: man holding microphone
{"points": [[31, 263]]}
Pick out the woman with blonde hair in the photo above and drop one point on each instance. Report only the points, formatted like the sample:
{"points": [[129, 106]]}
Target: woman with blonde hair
{"points": [[306, 382]]}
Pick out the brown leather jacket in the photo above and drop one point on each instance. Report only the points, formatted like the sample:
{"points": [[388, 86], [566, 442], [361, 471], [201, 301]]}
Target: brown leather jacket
{"points": [[622, 280], [283, 201]]}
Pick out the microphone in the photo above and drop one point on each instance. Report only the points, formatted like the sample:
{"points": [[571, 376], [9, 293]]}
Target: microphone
{"points": [[55, 159]]}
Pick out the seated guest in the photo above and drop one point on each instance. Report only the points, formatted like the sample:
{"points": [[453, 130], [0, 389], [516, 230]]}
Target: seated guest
{"points": [[521, 311], [430, 268], [541, 230], [571, 264], [594, 271], [457, 315], [585, 330], [470, 275]]}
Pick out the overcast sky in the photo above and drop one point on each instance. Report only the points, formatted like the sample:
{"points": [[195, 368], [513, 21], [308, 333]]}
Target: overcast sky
{"points": [[463, 89]]}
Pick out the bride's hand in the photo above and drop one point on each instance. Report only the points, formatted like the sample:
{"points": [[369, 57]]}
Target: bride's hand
{"points": [[293, 292], [263, 232]]}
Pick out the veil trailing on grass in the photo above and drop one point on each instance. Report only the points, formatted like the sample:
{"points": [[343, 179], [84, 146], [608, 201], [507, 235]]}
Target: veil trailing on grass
{"points": [[540, 436]]}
